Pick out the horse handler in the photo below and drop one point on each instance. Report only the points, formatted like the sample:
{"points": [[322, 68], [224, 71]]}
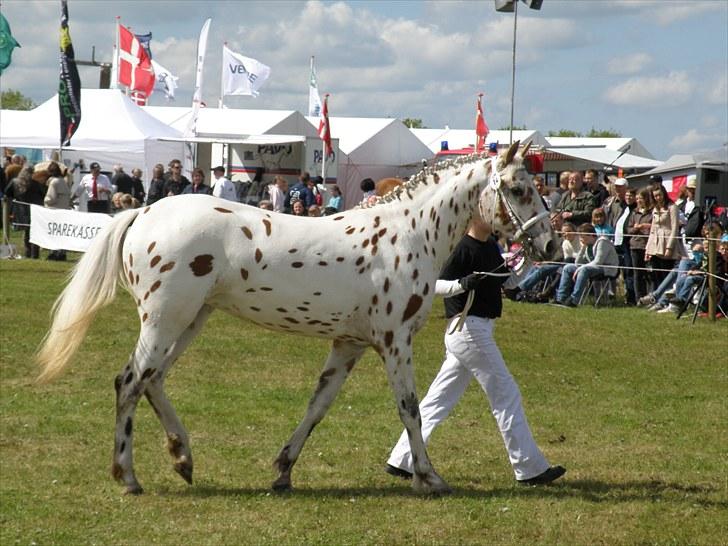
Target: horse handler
{"points": [[471, 352]]}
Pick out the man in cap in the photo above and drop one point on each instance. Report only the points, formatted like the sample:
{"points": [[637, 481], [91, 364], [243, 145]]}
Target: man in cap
{"points": [[221, 186], [97, 188], [691, 209]]}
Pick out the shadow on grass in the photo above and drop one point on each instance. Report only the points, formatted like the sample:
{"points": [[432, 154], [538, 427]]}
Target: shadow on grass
{"points": [[588, 490]]}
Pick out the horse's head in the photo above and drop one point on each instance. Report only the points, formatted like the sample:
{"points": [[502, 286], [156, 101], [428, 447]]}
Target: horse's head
{"points": [[515, 209]]}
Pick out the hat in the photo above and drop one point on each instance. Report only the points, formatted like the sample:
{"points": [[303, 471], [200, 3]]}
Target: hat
{"points": [[219, 168], [692, 182], [655, 178], [317, 180], [620, 182], [94, 165]]}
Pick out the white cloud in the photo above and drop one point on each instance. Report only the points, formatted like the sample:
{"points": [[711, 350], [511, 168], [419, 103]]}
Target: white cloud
{"points": [[629, 64], [656, 91], [694, 140], [666, 13], [718, 93]]}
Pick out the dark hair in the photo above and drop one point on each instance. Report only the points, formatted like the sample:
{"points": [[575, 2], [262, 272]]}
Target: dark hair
{"points": [[367, 185], [587, 229], [199, 171], [665, 196], [54, 169]]}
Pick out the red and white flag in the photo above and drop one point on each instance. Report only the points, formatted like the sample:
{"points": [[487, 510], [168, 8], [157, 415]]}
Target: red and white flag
{"points": [[324, 129], [135, 69], [481, 128]]}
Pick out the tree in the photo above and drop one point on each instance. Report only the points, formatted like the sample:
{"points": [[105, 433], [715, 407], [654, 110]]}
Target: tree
{"points": [[515, 128], [15, 100], [564, 133], [601, 133], [413, 123]]}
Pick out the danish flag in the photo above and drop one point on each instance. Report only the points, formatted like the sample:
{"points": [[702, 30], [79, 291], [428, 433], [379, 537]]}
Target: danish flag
{"points": [[135, 66], [481, 128], [324, 129]]}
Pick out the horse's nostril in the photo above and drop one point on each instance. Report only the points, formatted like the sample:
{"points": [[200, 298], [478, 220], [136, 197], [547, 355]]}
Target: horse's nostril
{"points": [[550, 247]]}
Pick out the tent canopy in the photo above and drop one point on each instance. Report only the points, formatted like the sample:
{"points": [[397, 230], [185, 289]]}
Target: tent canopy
{"points": [[716, 160], [110, 121], [463, 138], [607, 157]]}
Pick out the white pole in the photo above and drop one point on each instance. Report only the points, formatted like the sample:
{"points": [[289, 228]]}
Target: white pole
{"points": [[513, 71], [222, 78]]}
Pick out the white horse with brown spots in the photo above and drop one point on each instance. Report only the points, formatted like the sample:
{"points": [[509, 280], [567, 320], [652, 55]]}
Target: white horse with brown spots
{"points": [[370, 277]]}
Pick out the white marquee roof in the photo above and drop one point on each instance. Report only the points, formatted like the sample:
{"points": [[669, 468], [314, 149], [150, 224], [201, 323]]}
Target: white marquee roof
{"points": [[462, 138]]}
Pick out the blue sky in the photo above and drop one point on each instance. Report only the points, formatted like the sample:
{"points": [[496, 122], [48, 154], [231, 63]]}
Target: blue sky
{"points": [[653, 70]]}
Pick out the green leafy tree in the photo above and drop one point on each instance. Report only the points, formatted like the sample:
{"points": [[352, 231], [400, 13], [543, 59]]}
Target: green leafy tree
{"points": [[414, 123], [15, 100], [565, 133], [601, 133], [515, 128]]}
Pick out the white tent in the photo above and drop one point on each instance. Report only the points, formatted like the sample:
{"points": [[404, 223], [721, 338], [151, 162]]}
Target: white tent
{"points": [[462, 138], [373, 148], [619, 144], [113, 130]]}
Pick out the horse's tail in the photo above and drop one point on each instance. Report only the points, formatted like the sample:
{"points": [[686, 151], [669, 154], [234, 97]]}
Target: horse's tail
{"points": [[91, 286]]}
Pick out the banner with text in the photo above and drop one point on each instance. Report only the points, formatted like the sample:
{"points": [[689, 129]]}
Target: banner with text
{"points": [[59, 229]]}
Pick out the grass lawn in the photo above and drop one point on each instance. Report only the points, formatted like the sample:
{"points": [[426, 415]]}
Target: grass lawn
{"points": [[632, 403]]}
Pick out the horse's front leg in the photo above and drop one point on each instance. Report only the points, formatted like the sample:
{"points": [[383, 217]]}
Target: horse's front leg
{"points": [[341, 360], [397, 357]]}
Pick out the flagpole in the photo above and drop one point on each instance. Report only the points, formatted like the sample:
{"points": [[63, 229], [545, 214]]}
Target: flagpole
{"points": [[513, 71], [222, 78], [116, 56], [323, 142]]}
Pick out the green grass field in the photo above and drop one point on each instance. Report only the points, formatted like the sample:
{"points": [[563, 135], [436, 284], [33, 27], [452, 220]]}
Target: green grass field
{"points": [[633, 404]]}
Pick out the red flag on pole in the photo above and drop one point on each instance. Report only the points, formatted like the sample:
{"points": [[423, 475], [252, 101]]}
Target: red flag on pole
{"points": [[135, 66], [324, 129], [481, 128]]}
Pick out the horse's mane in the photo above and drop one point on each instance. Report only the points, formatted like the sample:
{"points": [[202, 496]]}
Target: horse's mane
{"points": [[419, 179]]}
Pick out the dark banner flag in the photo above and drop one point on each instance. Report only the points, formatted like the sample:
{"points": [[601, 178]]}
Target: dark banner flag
{"points": [[69, 87]]}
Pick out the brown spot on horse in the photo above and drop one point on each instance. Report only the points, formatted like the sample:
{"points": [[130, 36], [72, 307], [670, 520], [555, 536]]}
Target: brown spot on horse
{"points": [[202, 265], [413, 305]]}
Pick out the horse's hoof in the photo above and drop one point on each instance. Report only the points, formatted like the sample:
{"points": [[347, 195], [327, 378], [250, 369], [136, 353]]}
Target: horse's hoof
{"points": [[135, 489], [282, 486], [430, 484], [184, 469]]}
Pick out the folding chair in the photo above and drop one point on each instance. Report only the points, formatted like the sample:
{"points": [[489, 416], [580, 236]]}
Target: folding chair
{"points": [[599, 287]]}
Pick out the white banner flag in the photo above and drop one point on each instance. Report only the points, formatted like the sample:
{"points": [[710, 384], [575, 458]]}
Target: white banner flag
{"points": [[242, 75], [314, 99], [59, 229], [165, 80]]}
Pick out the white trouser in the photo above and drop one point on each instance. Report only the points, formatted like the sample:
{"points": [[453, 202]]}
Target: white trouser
{"points": [[473, 352]]}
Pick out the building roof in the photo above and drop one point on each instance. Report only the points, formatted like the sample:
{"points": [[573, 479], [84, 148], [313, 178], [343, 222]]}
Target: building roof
{"points": [[462, 138]]}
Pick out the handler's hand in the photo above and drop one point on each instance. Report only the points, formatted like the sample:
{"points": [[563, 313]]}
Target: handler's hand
{"points": [[471, 281]]}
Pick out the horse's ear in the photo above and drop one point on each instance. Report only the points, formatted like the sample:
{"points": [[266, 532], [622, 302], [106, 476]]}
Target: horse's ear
{"points": [[511, 153], [526, 148]]}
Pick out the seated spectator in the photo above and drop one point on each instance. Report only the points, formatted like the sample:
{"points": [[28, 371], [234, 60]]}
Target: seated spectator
{"points": [[265, 204], [297, 208], [599, 221], [570, 247], [198, 185], [335, 201], [688, 278], [597, 257], [368, 188], [116, 202], [314, 211]]}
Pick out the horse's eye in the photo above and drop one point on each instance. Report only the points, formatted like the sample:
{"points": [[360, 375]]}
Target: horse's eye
{"points": [[517, 191]]}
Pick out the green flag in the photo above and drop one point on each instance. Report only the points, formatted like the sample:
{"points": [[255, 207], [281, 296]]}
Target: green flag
{"points": [[7, 43]]}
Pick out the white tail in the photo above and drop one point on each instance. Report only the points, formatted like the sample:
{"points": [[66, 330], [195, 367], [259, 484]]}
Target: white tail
{"points": [[91, 286]]}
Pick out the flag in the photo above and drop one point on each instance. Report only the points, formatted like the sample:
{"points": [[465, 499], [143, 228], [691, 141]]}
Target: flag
{"points": [[191, 129], [145, 41], [134, 65], [481, 128], [324, 129], [165, 80], [7, 43], [314, 100], [69, 85], [242, 75]]}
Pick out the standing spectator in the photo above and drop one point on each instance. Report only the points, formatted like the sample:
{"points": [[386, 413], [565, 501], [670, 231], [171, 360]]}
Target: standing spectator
{"points": [[597, 257], [299, 191], [664, 247], [278, 192], [315, 185], [576, 205], [175, 181], [127, 184], [58, 196], [334, 204], [561, 189], [471, 352], [156, 186], [137, 186], [592, 185], [97, 188], [693, 212], [622, 242], [543, 191], [640, 222], [599, 221], [221, 186], [198, 185], [25, 191]]}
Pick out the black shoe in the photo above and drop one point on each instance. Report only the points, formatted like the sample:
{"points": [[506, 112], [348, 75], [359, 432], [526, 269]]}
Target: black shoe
{"points": [[398, 472], [546, 477], [512, 293]]}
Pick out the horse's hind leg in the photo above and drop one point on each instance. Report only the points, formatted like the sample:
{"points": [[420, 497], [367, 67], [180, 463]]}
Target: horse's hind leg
{"points": [[341, 360], [147, 364], [178, 443]]}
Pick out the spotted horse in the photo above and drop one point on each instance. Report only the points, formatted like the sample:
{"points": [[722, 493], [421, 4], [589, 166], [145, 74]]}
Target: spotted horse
{"points": [[370, 276]]}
